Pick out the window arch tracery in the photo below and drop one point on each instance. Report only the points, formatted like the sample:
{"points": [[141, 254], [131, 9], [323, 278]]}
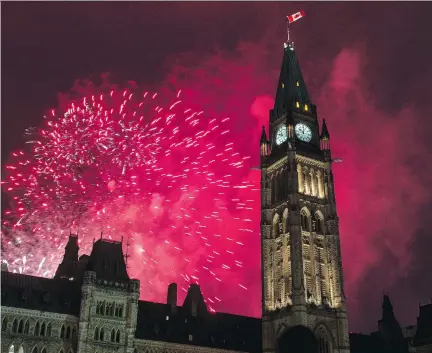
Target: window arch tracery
{"points": [[37, 329], [96, 334], [4, 324], [21, 326], [305, 220], [324, 341], [318, 223], [68, 332], [15, 326], [42, 329]]}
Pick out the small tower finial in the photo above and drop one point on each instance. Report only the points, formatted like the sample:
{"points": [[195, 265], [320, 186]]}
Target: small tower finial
{"points": [[127, 251]]}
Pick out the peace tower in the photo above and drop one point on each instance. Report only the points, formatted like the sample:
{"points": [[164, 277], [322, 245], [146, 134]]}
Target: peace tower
{"points": [[303, 301]]}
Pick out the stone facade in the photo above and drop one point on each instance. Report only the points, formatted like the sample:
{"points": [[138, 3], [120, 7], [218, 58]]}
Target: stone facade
{"points": [[92, 306], [301, 259], [97, 311]]}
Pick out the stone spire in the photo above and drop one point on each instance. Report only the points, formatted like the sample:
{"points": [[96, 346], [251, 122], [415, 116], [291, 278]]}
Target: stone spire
{"points": [[291, 86]]}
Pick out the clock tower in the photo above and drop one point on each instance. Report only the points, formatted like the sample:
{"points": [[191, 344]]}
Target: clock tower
{"points": [[303, 301]]}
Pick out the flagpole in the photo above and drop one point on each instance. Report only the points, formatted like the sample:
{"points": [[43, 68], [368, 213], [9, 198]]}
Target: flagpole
{"points": [[288, 33]]}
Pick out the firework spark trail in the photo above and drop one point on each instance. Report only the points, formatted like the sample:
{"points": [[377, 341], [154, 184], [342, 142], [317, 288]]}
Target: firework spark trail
{"points": [[164, 176]]}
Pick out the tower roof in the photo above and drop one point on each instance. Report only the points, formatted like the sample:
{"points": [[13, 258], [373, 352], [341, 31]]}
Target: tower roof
{"points": [[107, 260], [291, 86], [67, 267]]}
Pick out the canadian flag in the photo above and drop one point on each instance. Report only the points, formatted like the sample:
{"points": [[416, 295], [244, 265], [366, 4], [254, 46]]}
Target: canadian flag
{"points": [[296, 16]]}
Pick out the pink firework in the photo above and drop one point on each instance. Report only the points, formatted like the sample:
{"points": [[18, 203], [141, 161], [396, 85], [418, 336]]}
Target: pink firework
{"points": [[165, 178]]}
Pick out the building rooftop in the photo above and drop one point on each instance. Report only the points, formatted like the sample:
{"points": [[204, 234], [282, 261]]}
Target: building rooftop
{"points": [[191, 323], [163, 322], [36, 293]]}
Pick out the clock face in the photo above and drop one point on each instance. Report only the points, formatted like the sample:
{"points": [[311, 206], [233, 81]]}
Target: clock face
{"points": [[281, 135], [303, 132]]}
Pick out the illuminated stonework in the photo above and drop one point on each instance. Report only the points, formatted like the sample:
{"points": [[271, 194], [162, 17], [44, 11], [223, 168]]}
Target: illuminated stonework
{"points": [[301, 260]]}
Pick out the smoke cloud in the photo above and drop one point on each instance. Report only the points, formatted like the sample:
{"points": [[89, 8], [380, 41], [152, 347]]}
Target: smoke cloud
{"points": [[380, 194], [369, 77]]}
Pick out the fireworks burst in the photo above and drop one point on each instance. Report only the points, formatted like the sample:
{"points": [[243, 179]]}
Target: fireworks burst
{"points": [[164, 177]]}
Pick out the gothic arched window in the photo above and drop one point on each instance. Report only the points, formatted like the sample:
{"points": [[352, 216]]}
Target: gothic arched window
{"points": [[4, 324], [48, 331], [96, 334], [42, 330], [43, 350], [35, 350], [121, 311], [112, 335], [101, 334], [74, 333], [304, 219], [15, 326], [62, 331], [323, 345], [21, 349], [118, 336], [27, 327], [37, 328], [12, 349], [318, 224], [21, 326], [68, 332]]}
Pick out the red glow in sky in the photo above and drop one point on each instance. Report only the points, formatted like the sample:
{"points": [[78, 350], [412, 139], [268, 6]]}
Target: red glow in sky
{"points": [[162, 176], [369, 77]]}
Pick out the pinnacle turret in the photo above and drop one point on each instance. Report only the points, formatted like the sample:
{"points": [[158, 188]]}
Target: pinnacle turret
{"points": [[325, 135], [264, 143], [68, 266], [387, 308], [263, 136]]}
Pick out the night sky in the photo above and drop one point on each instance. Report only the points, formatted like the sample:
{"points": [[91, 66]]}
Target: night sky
{"points": [[367, 67]]}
